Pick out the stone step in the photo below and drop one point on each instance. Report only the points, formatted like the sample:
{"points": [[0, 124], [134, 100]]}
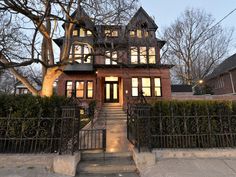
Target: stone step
{"points": [[108, 175], [109, 165], [86, 155], [113, 115]]}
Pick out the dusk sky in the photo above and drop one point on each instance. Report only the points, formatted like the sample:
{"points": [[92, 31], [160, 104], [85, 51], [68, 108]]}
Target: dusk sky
{"points": [[166, 11]]}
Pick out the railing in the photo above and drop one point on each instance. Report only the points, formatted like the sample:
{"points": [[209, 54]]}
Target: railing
{"points": [[186, 131], [94, 139], [36, 135]]}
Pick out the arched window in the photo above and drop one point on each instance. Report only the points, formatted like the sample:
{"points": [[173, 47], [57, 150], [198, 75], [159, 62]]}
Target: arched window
{"points": [[81, 53]]}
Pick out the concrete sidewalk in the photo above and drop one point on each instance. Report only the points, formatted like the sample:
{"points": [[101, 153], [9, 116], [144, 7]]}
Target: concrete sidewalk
{"points": [[195, 167]]}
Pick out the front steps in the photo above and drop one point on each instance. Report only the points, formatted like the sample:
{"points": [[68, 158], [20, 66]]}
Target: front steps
{"points": [[106, 164], [112, 112]]}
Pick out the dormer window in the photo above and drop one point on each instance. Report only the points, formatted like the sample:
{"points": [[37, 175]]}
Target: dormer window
{"points": [[81, 32], [111, 33], [75, 32], [139, 33]]}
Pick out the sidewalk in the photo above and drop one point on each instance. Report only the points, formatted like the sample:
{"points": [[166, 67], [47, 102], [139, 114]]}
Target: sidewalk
{"points": [[209, 167]]}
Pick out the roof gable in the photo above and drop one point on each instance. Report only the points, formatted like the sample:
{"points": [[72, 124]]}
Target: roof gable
{"points": [[141, 20], [225, 66]]}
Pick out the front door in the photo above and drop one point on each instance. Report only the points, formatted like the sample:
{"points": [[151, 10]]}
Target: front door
{"points": [[111, 92]]}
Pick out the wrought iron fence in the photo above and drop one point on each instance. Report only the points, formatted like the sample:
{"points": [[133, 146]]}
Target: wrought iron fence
{"points": [[39, 134], [186, 131]]}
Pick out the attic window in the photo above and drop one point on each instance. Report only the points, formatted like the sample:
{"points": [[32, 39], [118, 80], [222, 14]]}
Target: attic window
{"points": [[75, 32], [132, 33], [111, 33], [89, 33], [139, 33], [82, 32]]}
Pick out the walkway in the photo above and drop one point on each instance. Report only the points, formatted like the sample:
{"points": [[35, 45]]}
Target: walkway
{"points": [[207, 167]]}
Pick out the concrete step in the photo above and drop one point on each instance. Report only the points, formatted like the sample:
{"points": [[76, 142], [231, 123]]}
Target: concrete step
{"points": [[113, 115], [109, 165]]}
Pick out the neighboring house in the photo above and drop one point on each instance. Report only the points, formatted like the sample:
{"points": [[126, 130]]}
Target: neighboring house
{"points": [[181, 90], [21, 89], [223, 79], [114, 64]]}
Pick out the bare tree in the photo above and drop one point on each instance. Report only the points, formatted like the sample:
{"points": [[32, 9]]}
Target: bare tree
{"points": [[195, 45], [41, 20]]}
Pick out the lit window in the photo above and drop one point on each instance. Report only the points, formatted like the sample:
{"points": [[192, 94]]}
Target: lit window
{"points": [[152, 55], [111, 33], [78, 54], [89, 33], [143, 55], [157, 85], [132, 33], [107, 33], [114, 33], [80, 89], [134, 55], [89, 89], [86, 55], [146, 86], [134, 86], [82, 32], [82, 54], [111, 58], [69, 88], [145, 33], [75, 32], [139, 33]]}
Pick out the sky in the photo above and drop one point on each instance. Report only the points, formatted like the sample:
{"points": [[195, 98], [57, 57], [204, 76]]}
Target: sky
{"points": [[166, 11]]}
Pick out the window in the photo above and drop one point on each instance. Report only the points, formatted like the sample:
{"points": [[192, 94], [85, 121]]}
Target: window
{"points": [[82, 32], [146, 86], [139, 33], [142, 55], [157, 86], [111, 58], [132, 33], [69, 86], [89, 33], [152, 55], [134, 55], [111, 33], [79, 89], [80, 53], [89, 89], [145, 33], [75, 32], [134, 86]]}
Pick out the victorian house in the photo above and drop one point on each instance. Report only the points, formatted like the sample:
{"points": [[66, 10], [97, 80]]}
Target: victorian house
{"points": [[115, 64]]}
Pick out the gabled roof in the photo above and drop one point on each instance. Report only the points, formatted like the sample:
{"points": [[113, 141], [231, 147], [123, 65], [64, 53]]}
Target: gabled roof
{"points": [[142, 16], [226, 66], [83, 18]]}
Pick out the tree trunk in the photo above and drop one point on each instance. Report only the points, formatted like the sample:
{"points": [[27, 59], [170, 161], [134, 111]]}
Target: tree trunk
{"points": [[51, 75]]}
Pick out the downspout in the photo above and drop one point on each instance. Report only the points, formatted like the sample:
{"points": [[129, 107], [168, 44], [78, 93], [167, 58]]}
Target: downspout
{"points": [[232, 82]]}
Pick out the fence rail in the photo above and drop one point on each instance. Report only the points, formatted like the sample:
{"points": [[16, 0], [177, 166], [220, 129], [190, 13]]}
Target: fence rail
{"points": [[174, 131]]}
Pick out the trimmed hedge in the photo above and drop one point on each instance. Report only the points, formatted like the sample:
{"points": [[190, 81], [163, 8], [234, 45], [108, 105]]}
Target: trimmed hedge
{"points": [[30, 106]]}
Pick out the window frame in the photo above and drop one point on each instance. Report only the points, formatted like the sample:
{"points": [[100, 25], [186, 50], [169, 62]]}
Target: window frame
{"points": [[150, 87], [157, 86], [79, 89], [135, 87], [110, 33], [109, 57], [139, 55], [66, 89], [87, 90], [82, 54]]}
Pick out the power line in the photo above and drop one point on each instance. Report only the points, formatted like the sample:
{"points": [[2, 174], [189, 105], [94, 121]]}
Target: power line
{"points": [[226, 16]]}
